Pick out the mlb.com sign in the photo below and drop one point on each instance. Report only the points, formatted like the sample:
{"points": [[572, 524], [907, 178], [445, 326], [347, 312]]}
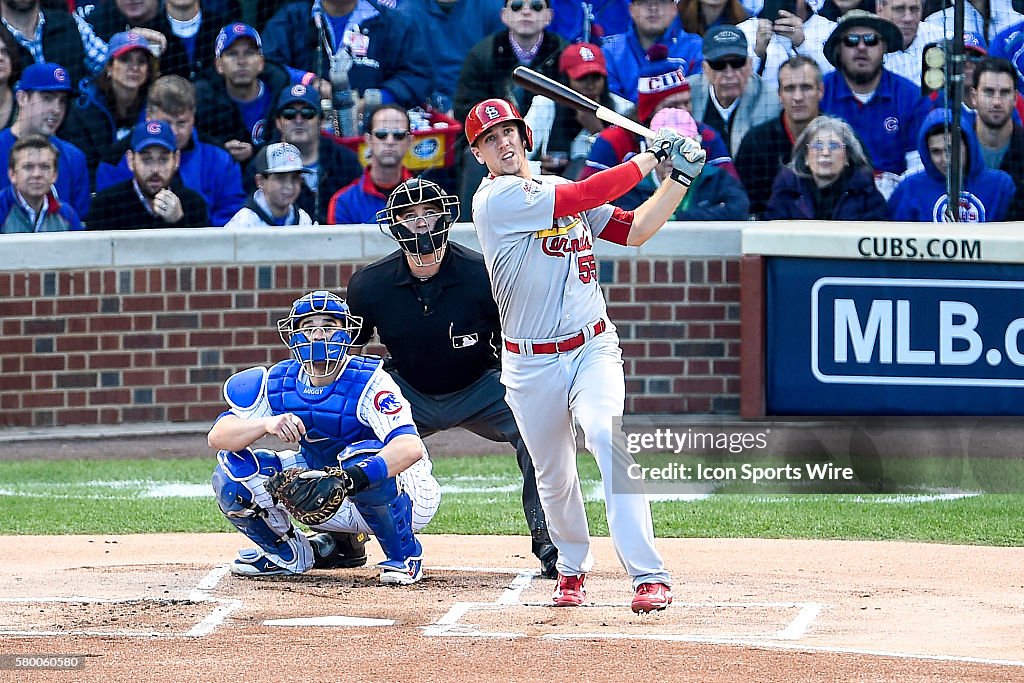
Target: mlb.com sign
{"points": [[892, 337], [923, 332]]}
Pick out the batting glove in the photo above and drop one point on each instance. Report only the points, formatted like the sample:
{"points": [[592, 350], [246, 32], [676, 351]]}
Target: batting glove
{"points": [[687, 160], [661, 146]]}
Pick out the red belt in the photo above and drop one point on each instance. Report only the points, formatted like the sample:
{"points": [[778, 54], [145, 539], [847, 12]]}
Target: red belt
{"points": [[573, 342]]}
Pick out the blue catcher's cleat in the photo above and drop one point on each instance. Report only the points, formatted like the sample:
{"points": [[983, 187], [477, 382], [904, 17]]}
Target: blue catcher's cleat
{"points": [[398, 573], [252, 562]]}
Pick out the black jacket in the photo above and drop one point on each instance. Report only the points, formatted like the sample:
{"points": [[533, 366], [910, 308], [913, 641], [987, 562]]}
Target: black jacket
{"points": [[175, 61], [442, 334], [216, 113], [763, 152], [118, 208], [487, 71], [62, 44]]}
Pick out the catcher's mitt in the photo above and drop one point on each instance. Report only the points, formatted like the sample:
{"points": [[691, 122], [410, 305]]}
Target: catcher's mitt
{"points": [[311, 496]]}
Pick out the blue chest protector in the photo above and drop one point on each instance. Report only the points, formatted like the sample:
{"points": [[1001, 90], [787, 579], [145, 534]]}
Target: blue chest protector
{"points": [[330, 413]]}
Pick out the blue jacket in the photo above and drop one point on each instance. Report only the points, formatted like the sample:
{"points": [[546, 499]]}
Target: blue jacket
{"points": [[793, 198], [205, 168], [985, 197], [396, 58], [463, 26], [625, 57], [610, 18], [58, 216], [72, 171], [358, 202], [887, 124]]}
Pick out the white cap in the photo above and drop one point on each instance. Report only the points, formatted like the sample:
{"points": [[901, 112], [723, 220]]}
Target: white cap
{"points": [[280, 157]]}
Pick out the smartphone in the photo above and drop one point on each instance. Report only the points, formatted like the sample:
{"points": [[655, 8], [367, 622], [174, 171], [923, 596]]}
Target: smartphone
{"points": [[771, 8]]}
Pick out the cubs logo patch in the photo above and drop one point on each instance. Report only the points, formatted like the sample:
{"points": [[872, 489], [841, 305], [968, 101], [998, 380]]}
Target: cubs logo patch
{"points": [[972, 210], [298, 90], [154, 127], [891, 124], [387, 403], [60, 75]]}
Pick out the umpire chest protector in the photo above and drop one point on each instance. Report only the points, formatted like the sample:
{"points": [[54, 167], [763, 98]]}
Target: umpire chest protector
{"points": [[330, 413]]}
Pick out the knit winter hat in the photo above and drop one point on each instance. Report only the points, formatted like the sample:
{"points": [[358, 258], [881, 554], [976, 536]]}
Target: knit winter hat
{"points": [[659, 78]]}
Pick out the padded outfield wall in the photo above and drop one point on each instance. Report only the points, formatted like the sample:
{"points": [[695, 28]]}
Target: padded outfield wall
{"points": [[111, 328]]}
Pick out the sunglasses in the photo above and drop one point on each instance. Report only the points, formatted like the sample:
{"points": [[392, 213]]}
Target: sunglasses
{"points": [[831, 146], [736, 63], [290, 113], [535, 5], [855, 39], [383, 133]]}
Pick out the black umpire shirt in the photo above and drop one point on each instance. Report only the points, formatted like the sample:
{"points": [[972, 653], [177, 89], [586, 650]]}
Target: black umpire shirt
{"points": [[443, 333]]}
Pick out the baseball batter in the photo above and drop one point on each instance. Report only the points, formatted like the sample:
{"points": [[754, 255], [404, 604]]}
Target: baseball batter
{"points": [[561, 359]]}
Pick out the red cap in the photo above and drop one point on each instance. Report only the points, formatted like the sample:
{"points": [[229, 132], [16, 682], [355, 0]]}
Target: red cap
{"points": [[581, 59]]}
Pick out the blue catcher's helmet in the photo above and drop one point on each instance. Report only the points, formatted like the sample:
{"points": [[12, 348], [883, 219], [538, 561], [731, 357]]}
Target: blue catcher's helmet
{"points": [[326, 345]]}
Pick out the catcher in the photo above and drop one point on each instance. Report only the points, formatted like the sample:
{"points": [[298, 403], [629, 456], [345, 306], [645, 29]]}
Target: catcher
{"points": [[360, 467]]}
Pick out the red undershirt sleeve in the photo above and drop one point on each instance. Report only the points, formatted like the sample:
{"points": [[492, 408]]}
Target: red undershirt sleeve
{"points": [[609, 184]]}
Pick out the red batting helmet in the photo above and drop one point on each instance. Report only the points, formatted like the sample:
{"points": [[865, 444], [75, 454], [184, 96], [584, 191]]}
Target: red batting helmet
{"points": [[492, 112]]}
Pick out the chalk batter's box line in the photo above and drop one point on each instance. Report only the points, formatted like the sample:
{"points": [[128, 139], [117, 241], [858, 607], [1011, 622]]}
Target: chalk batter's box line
{"points": [[199, 594]]}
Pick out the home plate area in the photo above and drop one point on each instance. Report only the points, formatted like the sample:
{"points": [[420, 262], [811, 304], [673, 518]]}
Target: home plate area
{"points": [[524, 610], [160, 601]]}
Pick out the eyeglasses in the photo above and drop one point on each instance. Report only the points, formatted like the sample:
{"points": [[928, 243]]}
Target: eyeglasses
{"points": [[855, 39], [736, 63], [831, 146], [290, 113], [535, 5], [383, 133]]}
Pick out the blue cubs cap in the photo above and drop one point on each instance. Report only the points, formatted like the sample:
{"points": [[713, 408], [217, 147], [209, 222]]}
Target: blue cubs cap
{"points": [[44, 76], [124, 42], [232, 32], [299, 93], [149, 133]]}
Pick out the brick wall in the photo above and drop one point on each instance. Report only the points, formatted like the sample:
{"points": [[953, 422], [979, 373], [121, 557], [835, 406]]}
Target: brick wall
{"points": [[154, 343]]}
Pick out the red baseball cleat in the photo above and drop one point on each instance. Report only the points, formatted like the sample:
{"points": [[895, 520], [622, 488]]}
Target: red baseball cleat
{"points": [[569, 591], [651, 597]]}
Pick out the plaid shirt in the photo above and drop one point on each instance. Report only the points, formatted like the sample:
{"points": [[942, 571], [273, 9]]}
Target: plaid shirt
{"points": [[95, 48]]}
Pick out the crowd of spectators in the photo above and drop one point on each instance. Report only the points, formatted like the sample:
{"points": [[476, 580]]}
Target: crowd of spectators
{"points": [[172, 113]]}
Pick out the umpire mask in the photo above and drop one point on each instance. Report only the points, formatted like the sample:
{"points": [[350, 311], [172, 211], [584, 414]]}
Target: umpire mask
{"points": [[418, 215]]}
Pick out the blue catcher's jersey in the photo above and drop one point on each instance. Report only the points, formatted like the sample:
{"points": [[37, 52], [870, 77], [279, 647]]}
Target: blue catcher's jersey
{"points": [[363, 403]]}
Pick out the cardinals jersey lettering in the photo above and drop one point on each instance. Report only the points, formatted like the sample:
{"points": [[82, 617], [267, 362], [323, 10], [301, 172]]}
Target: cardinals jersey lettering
{"points": [[551, 270]]}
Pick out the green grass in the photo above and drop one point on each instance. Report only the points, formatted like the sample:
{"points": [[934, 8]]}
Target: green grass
{"points": [[114, 496]]}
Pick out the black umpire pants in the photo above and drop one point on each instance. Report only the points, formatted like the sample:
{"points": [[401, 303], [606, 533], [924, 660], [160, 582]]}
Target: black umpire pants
{"points": [[480, 408]]}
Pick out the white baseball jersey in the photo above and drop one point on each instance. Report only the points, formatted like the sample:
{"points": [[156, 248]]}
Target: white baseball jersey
{"points": [[543, 272]]}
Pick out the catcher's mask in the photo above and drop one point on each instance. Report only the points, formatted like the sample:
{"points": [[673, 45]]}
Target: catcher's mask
{"points": [[324, 346], [418, 215]]}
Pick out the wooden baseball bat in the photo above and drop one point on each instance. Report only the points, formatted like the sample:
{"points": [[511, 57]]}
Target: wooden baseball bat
{"points": [[562, 94]]}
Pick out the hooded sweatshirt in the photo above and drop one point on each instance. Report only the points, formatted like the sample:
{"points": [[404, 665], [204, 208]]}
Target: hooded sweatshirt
{"points": [[986, 193]]}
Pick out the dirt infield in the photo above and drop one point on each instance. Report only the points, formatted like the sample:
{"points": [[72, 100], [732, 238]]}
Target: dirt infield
{"points": [[161, 608]]}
